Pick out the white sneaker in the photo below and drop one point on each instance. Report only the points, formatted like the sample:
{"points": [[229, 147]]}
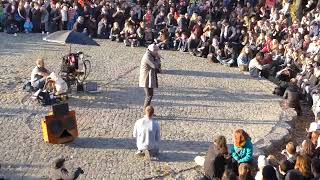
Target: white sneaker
{"points": [[139, 153]]}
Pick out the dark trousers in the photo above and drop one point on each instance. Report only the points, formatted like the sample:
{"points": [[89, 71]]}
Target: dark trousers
{"points": [[148, 98]]}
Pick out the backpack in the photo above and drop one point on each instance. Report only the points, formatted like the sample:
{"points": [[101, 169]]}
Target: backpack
{"points": [[44, 98], [28, 87]]}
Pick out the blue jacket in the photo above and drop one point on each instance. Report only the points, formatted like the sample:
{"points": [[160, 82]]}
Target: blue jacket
{"points": [[243, 155]]}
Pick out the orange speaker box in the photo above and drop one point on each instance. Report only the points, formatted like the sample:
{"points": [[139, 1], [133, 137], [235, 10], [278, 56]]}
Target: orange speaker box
{"points": [[59, 129]]}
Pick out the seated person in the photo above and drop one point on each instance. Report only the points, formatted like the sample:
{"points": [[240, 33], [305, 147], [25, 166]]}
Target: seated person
{"points": [[176, 40], [284, 167], [115, 32], [56, 84], [193, 42], [11, 27], [256, 68], [28, 26], [216, 159], [79, 26], [244, 58], [141, 34], [245, 172], [213, 50], [242, 150], [290, 153], [147, 133], [183, 44], [229, 54], [203, 47], [292, 96], [131, 36], [38, 75], [163, 39], [103, 29], [149, 36]]}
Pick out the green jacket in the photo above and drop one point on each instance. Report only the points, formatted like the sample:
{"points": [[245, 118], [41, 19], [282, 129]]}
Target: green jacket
{"points": [[244, 154]]}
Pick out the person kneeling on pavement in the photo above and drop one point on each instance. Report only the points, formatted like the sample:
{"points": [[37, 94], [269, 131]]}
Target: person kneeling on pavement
{"points": [[147, 133]]}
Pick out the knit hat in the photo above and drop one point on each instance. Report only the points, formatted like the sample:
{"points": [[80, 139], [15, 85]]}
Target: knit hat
{"points": [[262, 161], [313, 127]]}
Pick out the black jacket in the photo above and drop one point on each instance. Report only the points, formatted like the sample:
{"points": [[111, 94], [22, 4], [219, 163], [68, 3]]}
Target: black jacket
{"points": [[214, 164]]}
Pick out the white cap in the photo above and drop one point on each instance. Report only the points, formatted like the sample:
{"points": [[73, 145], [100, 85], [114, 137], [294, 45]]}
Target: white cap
{"points": [[313, 127]]}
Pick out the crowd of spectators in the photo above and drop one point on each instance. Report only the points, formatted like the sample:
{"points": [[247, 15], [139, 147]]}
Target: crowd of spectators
{"points": [[277, 40], [297, 162]]}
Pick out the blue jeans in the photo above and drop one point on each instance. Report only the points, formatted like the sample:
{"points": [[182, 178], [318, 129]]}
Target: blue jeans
{"points": [[39, 84]]}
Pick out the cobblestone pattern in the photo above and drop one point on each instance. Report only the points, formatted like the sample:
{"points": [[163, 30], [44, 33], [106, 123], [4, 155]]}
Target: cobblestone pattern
{"points": [[196, 100]]}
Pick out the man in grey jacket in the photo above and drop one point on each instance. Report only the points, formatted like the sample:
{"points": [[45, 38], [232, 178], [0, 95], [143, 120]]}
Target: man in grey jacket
{"points": [[150, 65]]}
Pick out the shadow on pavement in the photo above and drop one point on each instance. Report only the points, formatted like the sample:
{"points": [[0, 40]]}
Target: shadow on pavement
{"points": [[206, 74]]}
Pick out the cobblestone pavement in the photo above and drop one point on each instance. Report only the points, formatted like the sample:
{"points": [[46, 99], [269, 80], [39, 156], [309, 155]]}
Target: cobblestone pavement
{"points": [[196, 100]]}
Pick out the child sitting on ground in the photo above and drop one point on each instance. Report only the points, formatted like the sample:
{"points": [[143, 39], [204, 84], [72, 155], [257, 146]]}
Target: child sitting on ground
{"points": [[28, 26], [183, 45], [115, 32]]}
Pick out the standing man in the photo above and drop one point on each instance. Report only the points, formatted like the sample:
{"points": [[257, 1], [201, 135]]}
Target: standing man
{"points": [[150, 65], [147, 133]]}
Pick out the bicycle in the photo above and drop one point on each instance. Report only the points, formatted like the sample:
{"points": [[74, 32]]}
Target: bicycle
{"points": [[75, 68]]}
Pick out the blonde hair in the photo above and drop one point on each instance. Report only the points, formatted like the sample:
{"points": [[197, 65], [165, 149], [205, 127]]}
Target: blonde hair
{"points": [[303, 165], [40, 60], [194, 17], [244, 169]]}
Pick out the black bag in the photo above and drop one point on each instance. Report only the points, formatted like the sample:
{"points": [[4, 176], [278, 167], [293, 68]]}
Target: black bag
{"points": [[28, 87], [80, 87], [44, 99], [65, 67]]}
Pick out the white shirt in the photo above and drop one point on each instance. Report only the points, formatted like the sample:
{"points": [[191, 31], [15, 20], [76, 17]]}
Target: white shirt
{"points": [[147, 132], [254, 64]]}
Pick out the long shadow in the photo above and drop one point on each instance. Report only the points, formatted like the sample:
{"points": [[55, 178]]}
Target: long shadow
{"points": [[29, 44], [170, 150], [11, 112], [213, 120], [214, 94], [123, 97], [15, 171], [206, 74], [125, 143]]}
